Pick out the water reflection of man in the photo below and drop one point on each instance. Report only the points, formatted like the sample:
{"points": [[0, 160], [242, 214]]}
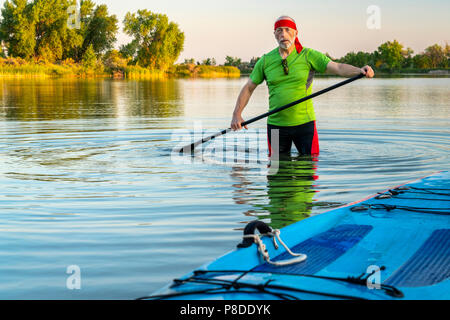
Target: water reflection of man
{"points": [[289, 74], [289, 192]]}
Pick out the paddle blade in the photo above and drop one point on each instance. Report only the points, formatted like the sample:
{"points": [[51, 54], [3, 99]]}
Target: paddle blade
{"points": [[189, 149]]}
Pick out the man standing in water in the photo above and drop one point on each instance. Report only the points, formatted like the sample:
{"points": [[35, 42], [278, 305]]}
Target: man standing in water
{"points": [[289, 71]]}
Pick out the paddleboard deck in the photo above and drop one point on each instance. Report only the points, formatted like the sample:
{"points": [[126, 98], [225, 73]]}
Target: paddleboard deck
{"points": [[392, 245]]}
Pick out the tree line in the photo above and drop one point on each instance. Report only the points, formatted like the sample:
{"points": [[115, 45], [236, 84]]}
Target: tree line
{"points": [[391, 56], [244, 67], [40, 31]]}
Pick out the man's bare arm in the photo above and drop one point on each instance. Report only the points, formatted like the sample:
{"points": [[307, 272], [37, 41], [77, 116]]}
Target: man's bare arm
{"points": [[346, 70], [241, 103]]}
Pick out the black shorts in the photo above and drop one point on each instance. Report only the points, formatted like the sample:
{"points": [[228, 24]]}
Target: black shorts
{"points": [[304, 137]]}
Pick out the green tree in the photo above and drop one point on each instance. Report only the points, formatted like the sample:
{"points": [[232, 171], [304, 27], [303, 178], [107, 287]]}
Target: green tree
{"points": [[39, 28], [359, 59], [232, 61], [89, 60], [17, 28], [75, 50], [447, 53], [421, 61], [407, 58], [158, 41], [437, 56], [100, 29], [86, 9], [97, 28], [130, 50], [209, 62], [2, 51], [189, 61], [391, 54], [53, 36]]}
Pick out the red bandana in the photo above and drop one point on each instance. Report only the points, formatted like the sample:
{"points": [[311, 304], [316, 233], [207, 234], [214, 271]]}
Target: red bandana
{"points": [[292, 25]]}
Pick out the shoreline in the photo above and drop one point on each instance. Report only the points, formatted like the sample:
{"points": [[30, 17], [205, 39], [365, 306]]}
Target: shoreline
{"points": [[141, 73], [20, 69], [112, 77], [115, 77], [385, 75]]}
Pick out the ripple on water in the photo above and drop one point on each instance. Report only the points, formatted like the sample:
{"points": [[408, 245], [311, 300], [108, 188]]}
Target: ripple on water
{"points": [[102, 190]]}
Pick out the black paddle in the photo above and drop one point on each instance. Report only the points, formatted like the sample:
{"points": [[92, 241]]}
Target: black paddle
{"points": [[190, 148]]}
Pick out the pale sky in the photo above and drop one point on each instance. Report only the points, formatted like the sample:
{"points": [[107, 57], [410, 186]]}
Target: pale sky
{"points": [[244, 28]]}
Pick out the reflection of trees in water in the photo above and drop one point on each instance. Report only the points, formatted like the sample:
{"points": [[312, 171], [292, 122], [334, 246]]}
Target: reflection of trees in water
{"points": [[51, 99], [289, 192], [155, 98]]}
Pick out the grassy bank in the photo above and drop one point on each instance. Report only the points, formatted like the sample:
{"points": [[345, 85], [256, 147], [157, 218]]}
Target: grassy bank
{"points": [[136, 72], [403, 73], [203, 71], [17, 67]]}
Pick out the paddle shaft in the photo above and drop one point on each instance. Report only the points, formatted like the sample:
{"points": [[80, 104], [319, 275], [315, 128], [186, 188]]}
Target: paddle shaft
{"points": [[192, 146]]}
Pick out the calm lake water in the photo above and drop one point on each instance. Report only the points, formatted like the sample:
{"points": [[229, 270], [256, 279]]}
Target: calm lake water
{"points": [[88, 177]]}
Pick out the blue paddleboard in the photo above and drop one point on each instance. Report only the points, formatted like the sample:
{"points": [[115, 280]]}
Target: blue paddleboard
{"points": [[393, 245]]}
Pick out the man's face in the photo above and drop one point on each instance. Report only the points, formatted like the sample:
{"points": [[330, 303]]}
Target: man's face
{"points": [[285, 37]]}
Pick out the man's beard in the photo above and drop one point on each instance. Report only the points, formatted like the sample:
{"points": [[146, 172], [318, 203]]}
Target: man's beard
{"points": [[285, 46]]}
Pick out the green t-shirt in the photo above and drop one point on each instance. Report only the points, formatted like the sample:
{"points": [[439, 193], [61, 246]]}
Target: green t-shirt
{"points": [[284, 89]]}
